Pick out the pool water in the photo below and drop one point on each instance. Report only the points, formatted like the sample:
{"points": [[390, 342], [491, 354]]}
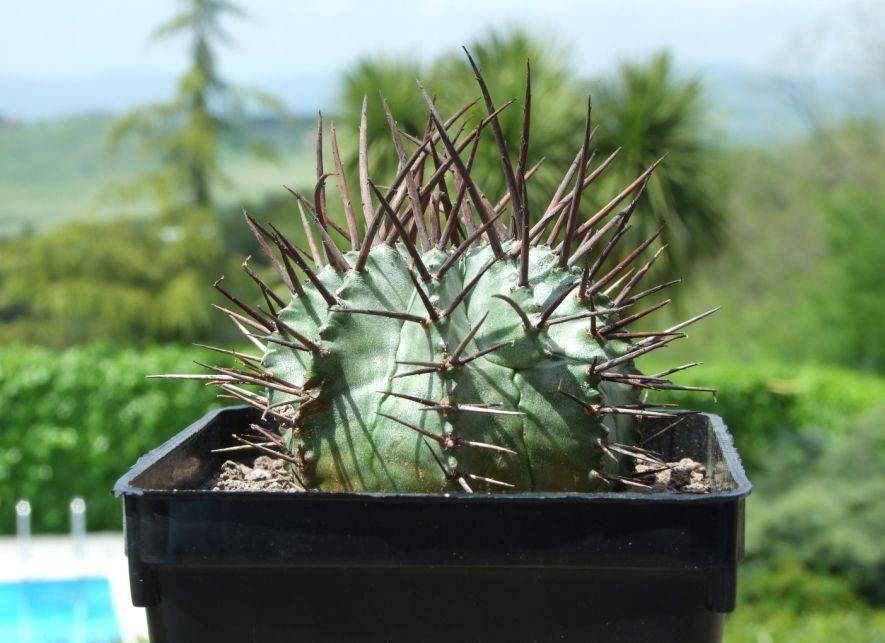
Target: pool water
{"points": [[54, 611]]}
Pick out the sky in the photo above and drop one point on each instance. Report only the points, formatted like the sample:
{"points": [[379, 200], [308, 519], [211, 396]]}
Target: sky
{"points": [[66, 40], [57, 41]]}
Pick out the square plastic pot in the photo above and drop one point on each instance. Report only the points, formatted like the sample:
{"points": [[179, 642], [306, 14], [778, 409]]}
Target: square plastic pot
{"points": [[274, 566]]}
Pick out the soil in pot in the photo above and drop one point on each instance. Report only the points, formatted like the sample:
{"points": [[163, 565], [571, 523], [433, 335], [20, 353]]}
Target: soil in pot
{"points": [[266, 473]]}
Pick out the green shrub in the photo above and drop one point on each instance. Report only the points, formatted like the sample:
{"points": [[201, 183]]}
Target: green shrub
{"points": [[787, 602], [769, 401], [754, 625], [851, 298], [128, 281], [827, 515], [74, 421], [791, 586]]}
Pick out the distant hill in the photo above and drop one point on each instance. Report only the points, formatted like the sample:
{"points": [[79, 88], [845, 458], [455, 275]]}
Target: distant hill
{"points": [[33, 99], [751, 107], [56, 169], [53, 166]]}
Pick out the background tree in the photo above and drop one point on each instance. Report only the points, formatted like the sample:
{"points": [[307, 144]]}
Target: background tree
{"points": [[147, 279], [646, 111], [851, 297], [183, 138], [557, 106], [503, 54], [643, 109], [395, 79], [186, 132], [124, 280]]}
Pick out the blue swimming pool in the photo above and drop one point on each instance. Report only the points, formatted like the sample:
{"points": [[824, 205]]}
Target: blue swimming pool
{"points": [[42, 611]]}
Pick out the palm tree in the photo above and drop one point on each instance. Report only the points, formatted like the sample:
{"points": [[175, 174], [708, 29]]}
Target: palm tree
{"points": [[556, 102], [643, 109], [557, 107], [647, 112], [368, 78]]}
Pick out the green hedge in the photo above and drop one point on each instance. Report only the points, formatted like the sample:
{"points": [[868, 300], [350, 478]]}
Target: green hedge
{"points": [[763, 403], [72, 422]]}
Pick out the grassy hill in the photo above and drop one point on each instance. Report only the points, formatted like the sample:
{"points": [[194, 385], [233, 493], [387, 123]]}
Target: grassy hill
{"points": [[55, 170]]}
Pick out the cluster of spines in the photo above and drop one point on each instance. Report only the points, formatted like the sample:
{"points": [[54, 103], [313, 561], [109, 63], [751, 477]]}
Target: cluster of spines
{"points": [[421, 214]]}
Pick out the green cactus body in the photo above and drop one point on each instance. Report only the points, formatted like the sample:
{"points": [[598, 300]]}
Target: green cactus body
{"points": [[355, 383], [442, 353]]}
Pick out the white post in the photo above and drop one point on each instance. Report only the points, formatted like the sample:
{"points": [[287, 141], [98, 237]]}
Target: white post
{"points": [[23, 528], [78, 526]]}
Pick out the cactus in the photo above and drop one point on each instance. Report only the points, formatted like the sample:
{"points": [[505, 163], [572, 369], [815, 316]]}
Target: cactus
{"points": [[452, 348]]}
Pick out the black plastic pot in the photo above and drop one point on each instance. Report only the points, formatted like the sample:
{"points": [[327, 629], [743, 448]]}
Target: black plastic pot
{"points": [[271, 566]]}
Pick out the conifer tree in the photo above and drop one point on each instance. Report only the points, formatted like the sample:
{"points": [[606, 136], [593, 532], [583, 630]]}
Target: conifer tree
{"points": [[182, 136]]}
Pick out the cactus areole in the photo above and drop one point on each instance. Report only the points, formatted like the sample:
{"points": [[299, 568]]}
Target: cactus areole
{"points": [[457, 345]]}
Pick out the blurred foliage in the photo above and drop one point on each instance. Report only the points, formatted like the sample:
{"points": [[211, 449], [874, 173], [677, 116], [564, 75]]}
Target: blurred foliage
{"points": [[558, 108], [133, 280], [855, 234], [762, 402], [789, 585], [646, 110], [643, 108], [815, 567], [74, 421], [185, 133], [148, 280], [117, 280], [786, 602], [800, 278], [758, 623], [826, 513]]}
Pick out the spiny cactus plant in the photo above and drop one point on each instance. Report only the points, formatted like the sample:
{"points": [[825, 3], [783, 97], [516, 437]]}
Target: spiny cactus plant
{"points": [[456, 345]]}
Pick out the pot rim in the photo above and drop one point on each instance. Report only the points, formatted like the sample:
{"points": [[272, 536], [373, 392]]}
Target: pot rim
{"points": [[127, 486]]}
